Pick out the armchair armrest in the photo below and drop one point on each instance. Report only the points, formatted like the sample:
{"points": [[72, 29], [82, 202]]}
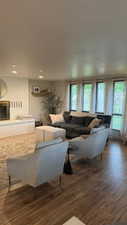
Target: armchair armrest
{"points": [[21, 167]]}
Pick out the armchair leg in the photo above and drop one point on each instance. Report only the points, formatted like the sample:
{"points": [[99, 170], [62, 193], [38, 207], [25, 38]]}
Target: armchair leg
{"points": [[101, 156]]}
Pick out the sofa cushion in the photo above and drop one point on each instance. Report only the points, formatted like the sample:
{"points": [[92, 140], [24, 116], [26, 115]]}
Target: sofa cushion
{"points": [[82, 130], [83, 121], [71, 126], [59, 124], [66, 125], [106, 119], [88, 120], [82, 114], [78, 120], [67, 117]]}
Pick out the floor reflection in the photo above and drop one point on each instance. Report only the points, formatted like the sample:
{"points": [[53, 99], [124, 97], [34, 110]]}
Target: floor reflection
{"points": [[116, 162]]}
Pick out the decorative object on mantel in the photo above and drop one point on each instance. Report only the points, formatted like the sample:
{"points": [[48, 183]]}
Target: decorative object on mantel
{"points": [[52, 103], [16, 104], [3, 88], [37, 92]]}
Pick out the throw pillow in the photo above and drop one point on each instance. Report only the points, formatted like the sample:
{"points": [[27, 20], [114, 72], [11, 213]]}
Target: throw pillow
{"points": [[95, 123], [55, 118]]}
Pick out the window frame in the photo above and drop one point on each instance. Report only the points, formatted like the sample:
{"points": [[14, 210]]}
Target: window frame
{"points": [[70, 98], [115, 114], [83, 96], [97, 97]]}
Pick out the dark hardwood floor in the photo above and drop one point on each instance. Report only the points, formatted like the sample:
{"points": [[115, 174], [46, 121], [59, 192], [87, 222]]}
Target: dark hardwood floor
{"points": [[96, 193]]}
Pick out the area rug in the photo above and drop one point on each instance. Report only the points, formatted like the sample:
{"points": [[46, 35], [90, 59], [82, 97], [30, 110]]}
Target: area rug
{"points": [[74, 221], [13, 147]]}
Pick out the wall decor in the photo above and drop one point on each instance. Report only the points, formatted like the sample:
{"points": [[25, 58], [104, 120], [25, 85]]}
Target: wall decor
{"points": [[35, 89], [17, 104], [3, 88], [42, 93]]}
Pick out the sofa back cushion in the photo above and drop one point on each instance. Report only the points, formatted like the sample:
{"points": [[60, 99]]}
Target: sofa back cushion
{"points": [[106, 119], [78, 120], [67, 117], [83, 121], [88, 120], [82, 114]]}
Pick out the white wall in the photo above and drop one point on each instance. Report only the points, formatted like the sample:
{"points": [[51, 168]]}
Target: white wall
{"points": [[17, 91], [62, 90], [20, 90]]}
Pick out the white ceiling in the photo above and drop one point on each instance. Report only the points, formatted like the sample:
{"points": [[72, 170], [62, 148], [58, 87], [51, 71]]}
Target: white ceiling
{"points": [[67, 39]]}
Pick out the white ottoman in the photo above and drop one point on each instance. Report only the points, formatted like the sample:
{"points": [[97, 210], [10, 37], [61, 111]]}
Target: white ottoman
{"points": [[74, 221], [47, 133]]}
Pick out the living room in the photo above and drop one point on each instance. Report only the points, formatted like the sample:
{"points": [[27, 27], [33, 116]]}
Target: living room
{"points": [[63, 113]]}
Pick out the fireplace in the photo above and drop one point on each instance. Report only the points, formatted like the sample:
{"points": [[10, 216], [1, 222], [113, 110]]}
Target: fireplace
{"points": [[4, 110]]}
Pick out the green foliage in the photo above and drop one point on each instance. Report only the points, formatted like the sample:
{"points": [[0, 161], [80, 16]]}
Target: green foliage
{"points": [[52, 103]]}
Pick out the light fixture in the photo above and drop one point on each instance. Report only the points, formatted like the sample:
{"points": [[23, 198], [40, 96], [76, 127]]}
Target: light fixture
{"points": [[14, 71], [13, 65], [41, 77]]}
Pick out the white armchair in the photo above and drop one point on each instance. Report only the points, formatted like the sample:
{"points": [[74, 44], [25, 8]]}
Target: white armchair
{"points": [[45, 164], [90, 147]]}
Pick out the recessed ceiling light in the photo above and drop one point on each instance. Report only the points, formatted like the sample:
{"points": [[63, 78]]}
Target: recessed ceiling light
{"points": [[14, 71], [13, 65], [41, 77]]}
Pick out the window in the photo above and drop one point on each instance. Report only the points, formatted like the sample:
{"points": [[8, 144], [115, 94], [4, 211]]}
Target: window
{"points": [[118, 104], [100, 97], [73, 96], [87, 97]]}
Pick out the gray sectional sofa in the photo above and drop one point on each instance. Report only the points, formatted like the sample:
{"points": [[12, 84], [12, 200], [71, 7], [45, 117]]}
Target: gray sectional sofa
{"points": [[78, 125]]}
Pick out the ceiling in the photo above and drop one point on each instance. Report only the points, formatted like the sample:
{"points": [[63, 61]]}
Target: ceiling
{"points": [[66, 39]]}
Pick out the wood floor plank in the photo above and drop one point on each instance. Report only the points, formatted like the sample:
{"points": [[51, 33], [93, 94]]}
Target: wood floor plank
{"points": [[96, 193]]}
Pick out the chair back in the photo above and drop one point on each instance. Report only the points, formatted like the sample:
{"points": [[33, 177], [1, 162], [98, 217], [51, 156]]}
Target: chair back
{"points": [[91, 146], [50, 161]]}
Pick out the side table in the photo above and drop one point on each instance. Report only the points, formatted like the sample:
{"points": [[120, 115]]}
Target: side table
{"points": [[67, 164]]}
